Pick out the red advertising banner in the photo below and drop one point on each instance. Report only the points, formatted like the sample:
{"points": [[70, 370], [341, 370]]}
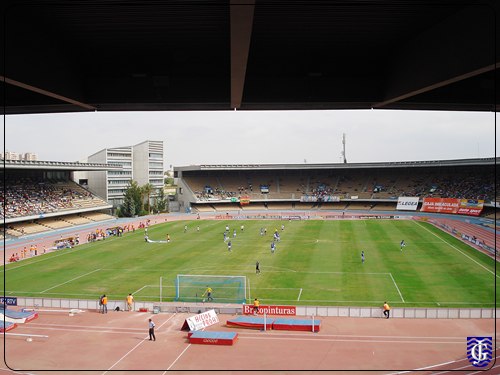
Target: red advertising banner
{"points": [[244, 201], [271, 310], [453, 206], [441, 205]]}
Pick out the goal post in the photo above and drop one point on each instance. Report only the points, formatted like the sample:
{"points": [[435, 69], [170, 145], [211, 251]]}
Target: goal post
{"points": [[225, 288]]}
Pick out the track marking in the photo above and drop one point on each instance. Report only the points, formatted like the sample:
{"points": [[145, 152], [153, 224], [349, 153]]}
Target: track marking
{"points": [[354, 340], [444, 370], [298, 298], [396, 285], [179, 356], [88, 273], [460, 251], [138, 344]]}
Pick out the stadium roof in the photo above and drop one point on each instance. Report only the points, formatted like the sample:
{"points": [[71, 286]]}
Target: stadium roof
{"points": [[128, 55], [60, 165], [396, 164]]}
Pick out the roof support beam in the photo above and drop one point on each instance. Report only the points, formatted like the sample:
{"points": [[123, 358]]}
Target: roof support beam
{"points": [[45, 92], [463, 43], [241, 20]]}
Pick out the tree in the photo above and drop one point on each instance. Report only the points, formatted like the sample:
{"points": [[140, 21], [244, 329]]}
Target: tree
{"points": [[132, 201], [146, 191], [161, 201], [127, 209]]}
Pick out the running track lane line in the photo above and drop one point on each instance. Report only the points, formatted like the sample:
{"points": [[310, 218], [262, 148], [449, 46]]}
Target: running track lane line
{"points": [[457, 249], [139, 343], [88, 273], [179, 356]]}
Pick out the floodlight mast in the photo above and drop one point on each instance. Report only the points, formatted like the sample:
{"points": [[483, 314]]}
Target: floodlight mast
{"points": [[343, 147]]}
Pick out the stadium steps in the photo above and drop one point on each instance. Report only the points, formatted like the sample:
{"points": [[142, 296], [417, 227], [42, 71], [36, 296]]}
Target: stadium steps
{"points": [[76, 220], [54, 223], [96, 216]]}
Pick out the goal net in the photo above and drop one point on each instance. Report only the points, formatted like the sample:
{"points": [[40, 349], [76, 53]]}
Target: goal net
{"points": [[225, 289]]}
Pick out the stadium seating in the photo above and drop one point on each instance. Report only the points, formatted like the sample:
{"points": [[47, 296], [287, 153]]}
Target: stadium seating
{"points": [[26, 198]]}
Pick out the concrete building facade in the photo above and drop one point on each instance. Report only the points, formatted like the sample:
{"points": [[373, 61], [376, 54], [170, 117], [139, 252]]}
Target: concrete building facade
{"points": [[142, 163]]}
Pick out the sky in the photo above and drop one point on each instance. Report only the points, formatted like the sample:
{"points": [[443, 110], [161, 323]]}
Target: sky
{"points": [[259, 137]]}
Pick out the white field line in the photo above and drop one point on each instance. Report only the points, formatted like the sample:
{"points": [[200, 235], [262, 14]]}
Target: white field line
{"points": [[66, 282], [396, 285], [138, 290], [140, 342], [300, 293], [457, 249], [72, 251]]}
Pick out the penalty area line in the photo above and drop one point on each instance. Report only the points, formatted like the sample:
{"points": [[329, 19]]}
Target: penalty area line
{"points": [[300, 293], [85, 274], [396, 285]]}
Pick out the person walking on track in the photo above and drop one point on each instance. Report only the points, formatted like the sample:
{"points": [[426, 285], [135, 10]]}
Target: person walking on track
{"points": [[152, 325]]}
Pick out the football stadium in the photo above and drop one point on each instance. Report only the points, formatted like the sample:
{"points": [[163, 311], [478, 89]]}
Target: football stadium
{"points": [[349, 266]]}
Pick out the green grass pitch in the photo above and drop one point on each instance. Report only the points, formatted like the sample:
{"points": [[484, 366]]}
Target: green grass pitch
{"points": [[316, 263]]}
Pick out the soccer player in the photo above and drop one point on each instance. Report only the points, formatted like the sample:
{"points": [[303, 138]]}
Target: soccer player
{"points": [[273, 247], [208, 292], [229, 246], [362, 256], [234, 233], [257, 267], [185, 228], [168, 238], [282, 227], [242, 227], [402, 244]]}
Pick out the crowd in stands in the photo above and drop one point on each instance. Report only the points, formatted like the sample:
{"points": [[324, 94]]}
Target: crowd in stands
{"points": [[26, 197], [465, 184], [467, 187], [216, 193]]}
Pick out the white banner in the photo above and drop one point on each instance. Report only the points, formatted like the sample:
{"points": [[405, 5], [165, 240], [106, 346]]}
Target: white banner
{"points": [[407, 203], [202, 320]]}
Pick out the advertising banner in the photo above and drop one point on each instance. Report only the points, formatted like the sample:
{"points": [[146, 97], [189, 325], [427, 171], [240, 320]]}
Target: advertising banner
{"points": [[453, 206], [407, 203], [470, 207], [308, 198], [244, 201], [201, 321], [271, 310], [440, 205], [9, 301]]}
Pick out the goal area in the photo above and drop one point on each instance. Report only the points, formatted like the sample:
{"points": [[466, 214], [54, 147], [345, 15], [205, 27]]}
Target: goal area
{"points": [[225, 289]]}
